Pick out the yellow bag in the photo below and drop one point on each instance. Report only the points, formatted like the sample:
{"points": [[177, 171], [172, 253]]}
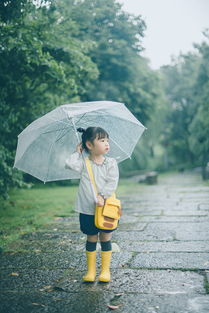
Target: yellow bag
{"points": [[106, 217]]}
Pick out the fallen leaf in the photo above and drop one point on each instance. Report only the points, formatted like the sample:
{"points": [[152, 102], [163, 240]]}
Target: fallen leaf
{"points": [[119, 294], [113, 307], [35, 303], [47, 287], [57, 218], [14, 274]]}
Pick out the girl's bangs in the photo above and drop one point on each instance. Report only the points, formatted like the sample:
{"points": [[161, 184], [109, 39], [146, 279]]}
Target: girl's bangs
{"points": [[102, 134]]}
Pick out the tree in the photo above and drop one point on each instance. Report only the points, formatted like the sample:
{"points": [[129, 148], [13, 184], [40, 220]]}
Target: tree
{"points": [[38, 66], [199, 128], [179, 80]]}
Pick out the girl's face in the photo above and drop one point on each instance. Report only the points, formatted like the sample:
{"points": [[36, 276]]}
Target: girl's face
{"points": [[99, 146]]}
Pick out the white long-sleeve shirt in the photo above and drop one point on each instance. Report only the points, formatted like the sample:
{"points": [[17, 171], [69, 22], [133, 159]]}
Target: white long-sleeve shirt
{"points": [[106, 177]]}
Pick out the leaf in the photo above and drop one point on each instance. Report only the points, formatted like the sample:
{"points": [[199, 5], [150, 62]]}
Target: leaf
{"points": [[35, 303], [113, 307], [47, 287], [119, 294], [14, 274]]}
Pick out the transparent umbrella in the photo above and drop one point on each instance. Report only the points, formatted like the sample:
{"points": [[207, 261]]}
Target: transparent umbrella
{"points": [[44, 145]]}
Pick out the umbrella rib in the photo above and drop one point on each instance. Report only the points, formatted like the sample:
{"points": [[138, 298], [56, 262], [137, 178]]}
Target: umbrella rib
{"points": [[53, 119], [54, 130], [81, 117], [120, 148], [62, 135], [48, 158]]}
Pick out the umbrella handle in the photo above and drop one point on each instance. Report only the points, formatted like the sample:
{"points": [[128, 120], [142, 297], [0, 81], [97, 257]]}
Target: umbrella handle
{"points": [[93, 191]]}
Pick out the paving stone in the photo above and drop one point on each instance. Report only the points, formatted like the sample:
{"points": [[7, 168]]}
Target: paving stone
{"points": [[59, 260], [38, 246], [36, 260], [194, 235], [138, 212], [55, 302], [60, 227], [74, 237], [173, 260], [163, 234], [128, 219], [132, 226], [162, 303], [172, 246], [181, 230], [183, 212], [198, 304], [192, 189], [195, 195], [26, 280], [203, 206], [185, 206], [174, 219], [140, 282]]}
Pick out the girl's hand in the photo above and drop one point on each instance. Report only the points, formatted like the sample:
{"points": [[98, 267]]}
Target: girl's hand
{"points": [[100, 200], [79, 148]]}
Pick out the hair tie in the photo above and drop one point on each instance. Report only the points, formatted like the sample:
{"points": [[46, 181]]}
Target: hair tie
{"points": [[81, 130]]}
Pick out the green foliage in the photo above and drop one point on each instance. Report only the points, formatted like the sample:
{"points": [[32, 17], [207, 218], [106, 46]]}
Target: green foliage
{"points": [[42, 64], [9, 178], [199, 128], [68, 51], [179, 82], [124, 75], [186, 84]]}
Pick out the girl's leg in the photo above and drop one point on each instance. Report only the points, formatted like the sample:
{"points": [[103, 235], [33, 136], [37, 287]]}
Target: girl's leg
{"points": [[92, 238], [91, 258], [106, 253]]}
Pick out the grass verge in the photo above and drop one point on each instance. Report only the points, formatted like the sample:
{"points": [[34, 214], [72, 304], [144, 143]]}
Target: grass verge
{"points": [[29, 209]]}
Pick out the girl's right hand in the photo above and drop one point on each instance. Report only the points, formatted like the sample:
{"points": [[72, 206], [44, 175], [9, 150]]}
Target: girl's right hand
{"points": [[100, 200], [79, 148]]}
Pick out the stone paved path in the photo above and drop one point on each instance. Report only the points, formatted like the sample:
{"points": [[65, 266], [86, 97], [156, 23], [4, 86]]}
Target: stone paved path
{"points": [[162, 266]]}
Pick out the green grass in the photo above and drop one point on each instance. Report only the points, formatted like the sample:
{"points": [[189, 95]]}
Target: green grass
{"points": [[29, 209]]}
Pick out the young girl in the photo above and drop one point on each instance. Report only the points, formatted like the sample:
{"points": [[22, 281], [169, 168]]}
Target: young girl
{"points": [[95, 141]]}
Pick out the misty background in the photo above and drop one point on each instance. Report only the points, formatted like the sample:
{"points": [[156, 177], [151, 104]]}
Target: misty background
{"points": [[66, 51]]}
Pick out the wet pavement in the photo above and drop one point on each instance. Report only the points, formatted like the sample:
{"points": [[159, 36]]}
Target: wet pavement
{"points": [[162, 265]]}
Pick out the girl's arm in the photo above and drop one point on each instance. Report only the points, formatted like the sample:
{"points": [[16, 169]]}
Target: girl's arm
{"points": [[74, 161], [111, 180]]}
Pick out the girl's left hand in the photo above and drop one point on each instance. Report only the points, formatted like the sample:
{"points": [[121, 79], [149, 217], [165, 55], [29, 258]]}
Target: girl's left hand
{"points": [[100, 200]]}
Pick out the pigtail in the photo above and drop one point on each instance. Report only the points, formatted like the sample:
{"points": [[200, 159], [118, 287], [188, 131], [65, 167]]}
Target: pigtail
{"points": [[81, 130]]}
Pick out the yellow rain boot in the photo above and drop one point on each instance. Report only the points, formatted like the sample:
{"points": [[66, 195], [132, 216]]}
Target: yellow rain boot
{"points": [[105, 263], [91, 266]]}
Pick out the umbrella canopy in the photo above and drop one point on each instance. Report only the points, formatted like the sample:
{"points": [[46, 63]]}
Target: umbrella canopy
{"points": [[44, 145]]}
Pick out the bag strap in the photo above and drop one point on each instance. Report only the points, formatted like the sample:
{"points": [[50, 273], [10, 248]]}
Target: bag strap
{"points": [[91, 175]]}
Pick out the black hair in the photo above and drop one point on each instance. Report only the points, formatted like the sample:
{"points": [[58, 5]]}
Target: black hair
{"points": [[90, 134]]}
